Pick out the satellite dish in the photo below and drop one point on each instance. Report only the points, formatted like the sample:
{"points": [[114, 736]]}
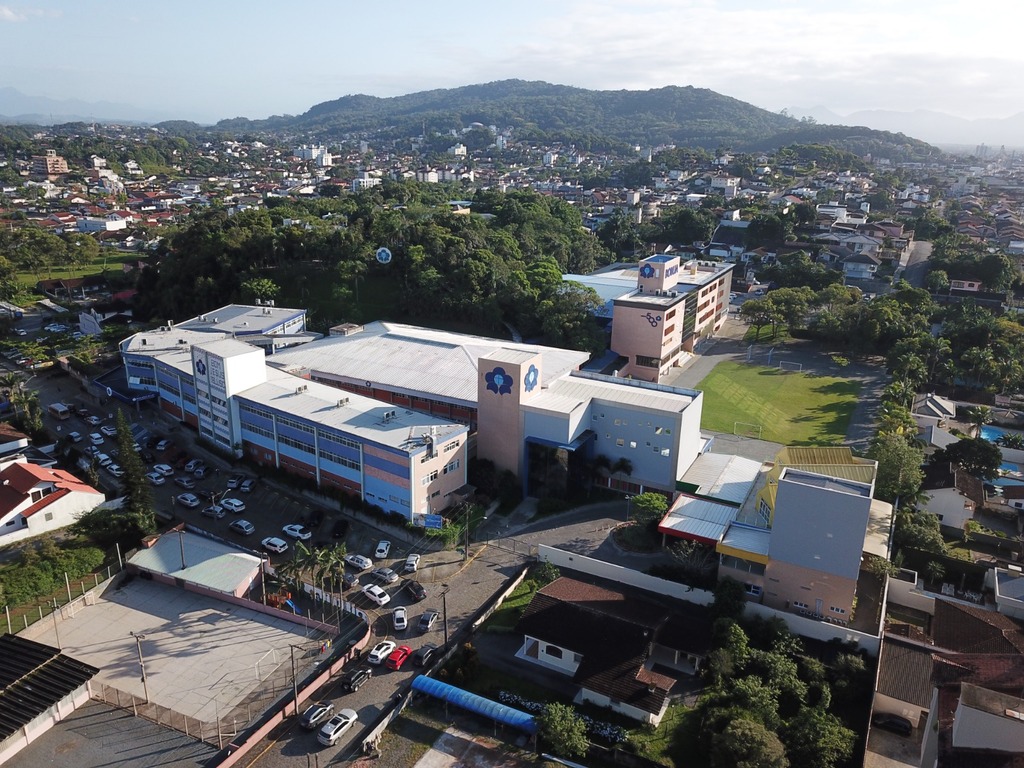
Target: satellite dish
{"points": [[384, 255]]}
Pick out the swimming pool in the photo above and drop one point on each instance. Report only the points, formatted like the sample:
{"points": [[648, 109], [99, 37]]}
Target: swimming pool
{"points": [[992, 434]]}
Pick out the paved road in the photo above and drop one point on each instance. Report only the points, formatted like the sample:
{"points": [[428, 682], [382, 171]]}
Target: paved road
{"points": [[917, 264]]}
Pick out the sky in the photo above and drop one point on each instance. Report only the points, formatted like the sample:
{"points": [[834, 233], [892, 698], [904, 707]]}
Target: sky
{"points": [[218, 59]]}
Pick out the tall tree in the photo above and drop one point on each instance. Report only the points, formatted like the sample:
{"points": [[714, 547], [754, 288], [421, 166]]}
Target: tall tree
{"points": [[138, 494], [899, 466]]}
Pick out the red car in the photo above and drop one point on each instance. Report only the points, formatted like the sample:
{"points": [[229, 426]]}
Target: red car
{"points": [[398, 657]]}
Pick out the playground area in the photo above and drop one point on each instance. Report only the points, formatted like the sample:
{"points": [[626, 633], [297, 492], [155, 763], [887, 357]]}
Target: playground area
{"points": [[776, 400], [202, 657]]}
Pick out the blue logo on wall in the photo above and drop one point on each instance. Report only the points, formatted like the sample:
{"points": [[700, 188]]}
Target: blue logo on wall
{"points": [[201, 367], [646, 271], [532, 378], [652, 319], [499, 382]]}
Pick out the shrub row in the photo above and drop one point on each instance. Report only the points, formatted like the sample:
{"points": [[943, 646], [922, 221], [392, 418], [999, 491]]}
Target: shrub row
{"points": [[611, 734], [28, 581]]}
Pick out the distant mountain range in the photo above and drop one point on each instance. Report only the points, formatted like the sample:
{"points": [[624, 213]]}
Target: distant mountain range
{"points": [[928, 125], [16, 107]]}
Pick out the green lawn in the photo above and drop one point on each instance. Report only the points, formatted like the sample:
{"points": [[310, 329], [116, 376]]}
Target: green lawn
{"points": [[674, 742], [792, 408], [506, 617], [111, 262]]}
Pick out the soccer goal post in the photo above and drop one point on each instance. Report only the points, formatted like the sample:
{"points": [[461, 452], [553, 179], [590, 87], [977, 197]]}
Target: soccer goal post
{"points": [[786, 365], [745, 429]]}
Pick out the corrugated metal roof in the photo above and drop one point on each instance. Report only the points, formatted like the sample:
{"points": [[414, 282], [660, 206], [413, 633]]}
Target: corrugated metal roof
{"points": [[748, 538], [692, 518], [208, 563], [576, 389], [360, 416], [417, 360], [724, 477]]}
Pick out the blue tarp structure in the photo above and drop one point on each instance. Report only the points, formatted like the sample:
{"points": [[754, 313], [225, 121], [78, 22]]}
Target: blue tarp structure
{"points": [[476, 704]]}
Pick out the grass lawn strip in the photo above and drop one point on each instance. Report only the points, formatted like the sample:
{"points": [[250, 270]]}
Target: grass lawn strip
{"points": [[793, 408]]}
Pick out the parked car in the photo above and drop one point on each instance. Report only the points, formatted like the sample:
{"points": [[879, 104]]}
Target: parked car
{"points": [[384, 575], [300, 532], [274, 544], [247, 485], [75, 437], [894, 723], [102, 459], [427, 620], [91, 450], [316, 714], [93, 421], [243, 527], [163, 469], [234, 481], [108, 430], [359, 562], [398, 657], [377, 595], [200, 473], [400, 618], [423, 655], [349, 580], [193, 464], [162, 445], [147, 457], [352, 680], [340, 529], [232, 505], [115, 470], [412, 564], [189, 500], [155, 478], [383, 548], [415, 590], [381, 651], [336, 727], [185, 482], [96, 438], [214, 511]]}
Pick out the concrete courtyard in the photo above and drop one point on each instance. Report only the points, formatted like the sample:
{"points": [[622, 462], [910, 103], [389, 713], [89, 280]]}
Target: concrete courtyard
{"points": [[202, 657]]}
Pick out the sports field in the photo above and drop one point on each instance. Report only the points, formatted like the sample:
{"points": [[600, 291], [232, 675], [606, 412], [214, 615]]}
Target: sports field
{"points": [[792, 408]]}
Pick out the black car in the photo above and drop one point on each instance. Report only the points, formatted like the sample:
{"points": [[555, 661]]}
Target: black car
{"points": [[427, 620], [349, 580], [891, 722], [354, 678], [207, 495], [415, 590], [423, 656], [317, 714], [340, 529]]}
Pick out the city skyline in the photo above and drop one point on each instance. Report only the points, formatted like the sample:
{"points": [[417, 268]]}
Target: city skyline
{"points": [[215, 61]]}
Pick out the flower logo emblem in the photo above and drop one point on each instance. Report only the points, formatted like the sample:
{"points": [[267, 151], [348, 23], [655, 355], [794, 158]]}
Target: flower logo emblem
{"points": [[532, 378], [201, 367], [646, 271], [499, 382]]}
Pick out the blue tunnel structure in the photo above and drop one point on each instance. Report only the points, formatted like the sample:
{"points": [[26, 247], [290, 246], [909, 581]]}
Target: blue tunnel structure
{"points": [[476, 704]]}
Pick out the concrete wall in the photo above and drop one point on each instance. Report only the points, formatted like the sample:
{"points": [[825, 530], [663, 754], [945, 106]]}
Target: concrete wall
{"points": [[43, 722], [909, 595], [954, 509], [974, 729], [635, 713], [891, 706], [786, 585]]}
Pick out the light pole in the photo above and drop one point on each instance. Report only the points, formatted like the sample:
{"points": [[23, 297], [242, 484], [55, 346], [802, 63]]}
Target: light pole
{"points": [[139, 637], [444, 608], [629, 503]]}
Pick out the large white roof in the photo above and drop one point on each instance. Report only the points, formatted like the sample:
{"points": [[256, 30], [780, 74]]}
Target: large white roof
{"points": [[569, 392], [241, 318], [362, 417], [415, 360], [691, 518], [724, 477], [198, 560]]}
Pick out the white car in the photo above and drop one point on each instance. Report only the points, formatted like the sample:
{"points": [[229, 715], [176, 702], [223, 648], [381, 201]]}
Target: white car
{"points": [[274, 544], [381, 651], [300, 532], [75, 437], [96, 438], [189, 500], [155, 478], [412, 564], [103, 460], [383, 548], [93, 421], [377, 595], [232, 505], [335, 727], [115, 470], [359, 562], [243, 527], [108, 430], [163, 445], [163, 469], [400, 618]]}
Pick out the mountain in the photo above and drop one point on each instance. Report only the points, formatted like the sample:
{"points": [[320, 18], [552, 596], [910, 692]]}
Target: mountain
{"points": [[17, 107], [931, 126], [685, 116]]}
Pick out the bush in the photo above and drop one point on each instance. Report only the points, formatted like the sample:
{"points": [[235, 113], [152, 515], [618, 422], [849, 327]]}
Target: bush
{"points": [[551, 506]]}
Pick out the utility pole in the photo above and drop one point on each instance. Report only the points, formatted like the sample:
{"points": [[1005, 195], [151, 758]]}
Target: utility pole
{"points": [[444, 604], [142, 665], [295, 683]]}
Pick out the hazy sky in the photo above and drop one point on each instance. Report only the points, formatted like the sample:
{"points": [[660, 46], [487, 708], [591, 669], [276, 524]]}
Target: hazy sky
{"points": [[222, 58]]}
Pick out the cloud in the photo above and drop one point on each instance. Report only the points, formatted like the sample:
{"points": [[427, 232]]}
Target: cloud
{"points": [[9, 14]]}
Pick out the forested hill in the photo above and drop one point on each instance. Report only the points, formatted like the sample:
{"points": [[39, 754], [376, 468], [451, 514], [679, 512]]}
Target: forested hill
{"points": [[684, 116]]}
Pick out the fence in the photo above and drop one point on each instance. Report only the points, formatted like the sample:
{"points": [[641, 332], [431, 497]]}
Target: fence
{"points": [[76, 594]]}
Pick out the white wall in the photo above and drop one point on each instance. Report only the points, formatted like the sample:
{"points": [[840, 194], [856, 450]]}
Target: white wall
{"points": [[910, 596]]}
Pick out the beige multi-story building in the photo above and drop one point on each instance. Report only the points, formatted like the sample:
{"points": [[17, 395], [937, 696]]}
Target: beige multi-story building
{"points": [[657, 325], [49, 165]]}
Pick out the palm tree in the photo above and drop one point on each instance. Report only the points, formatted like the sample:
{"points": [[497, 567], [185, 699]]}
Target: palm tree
{"points": [[622, 466], [1011, 440], [978, 416], [10, 383]]}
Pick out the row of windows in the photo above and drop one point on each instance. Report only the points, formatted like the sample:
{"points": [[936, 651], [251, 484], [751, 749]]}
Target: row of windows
{"points": [[284, 421], [625, 423], [338, 438], [429, 478], [451, 446], [339, 459], [189, 399], [147, 381], [451, 466], [269, 433], [621, 443], [296, 444], [246, 408]]}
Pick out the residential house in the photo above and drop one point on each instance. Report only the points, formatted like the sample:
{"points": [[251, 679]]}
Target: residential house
{"points": [[624, 649], [35, 499], [860, 266]]}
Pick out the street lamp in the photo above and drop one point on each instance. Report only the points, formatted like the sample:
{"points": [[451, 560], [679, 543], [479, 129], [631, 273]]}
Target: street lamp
{"points": [[139, 637], [629, 502], [444, 608]]}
